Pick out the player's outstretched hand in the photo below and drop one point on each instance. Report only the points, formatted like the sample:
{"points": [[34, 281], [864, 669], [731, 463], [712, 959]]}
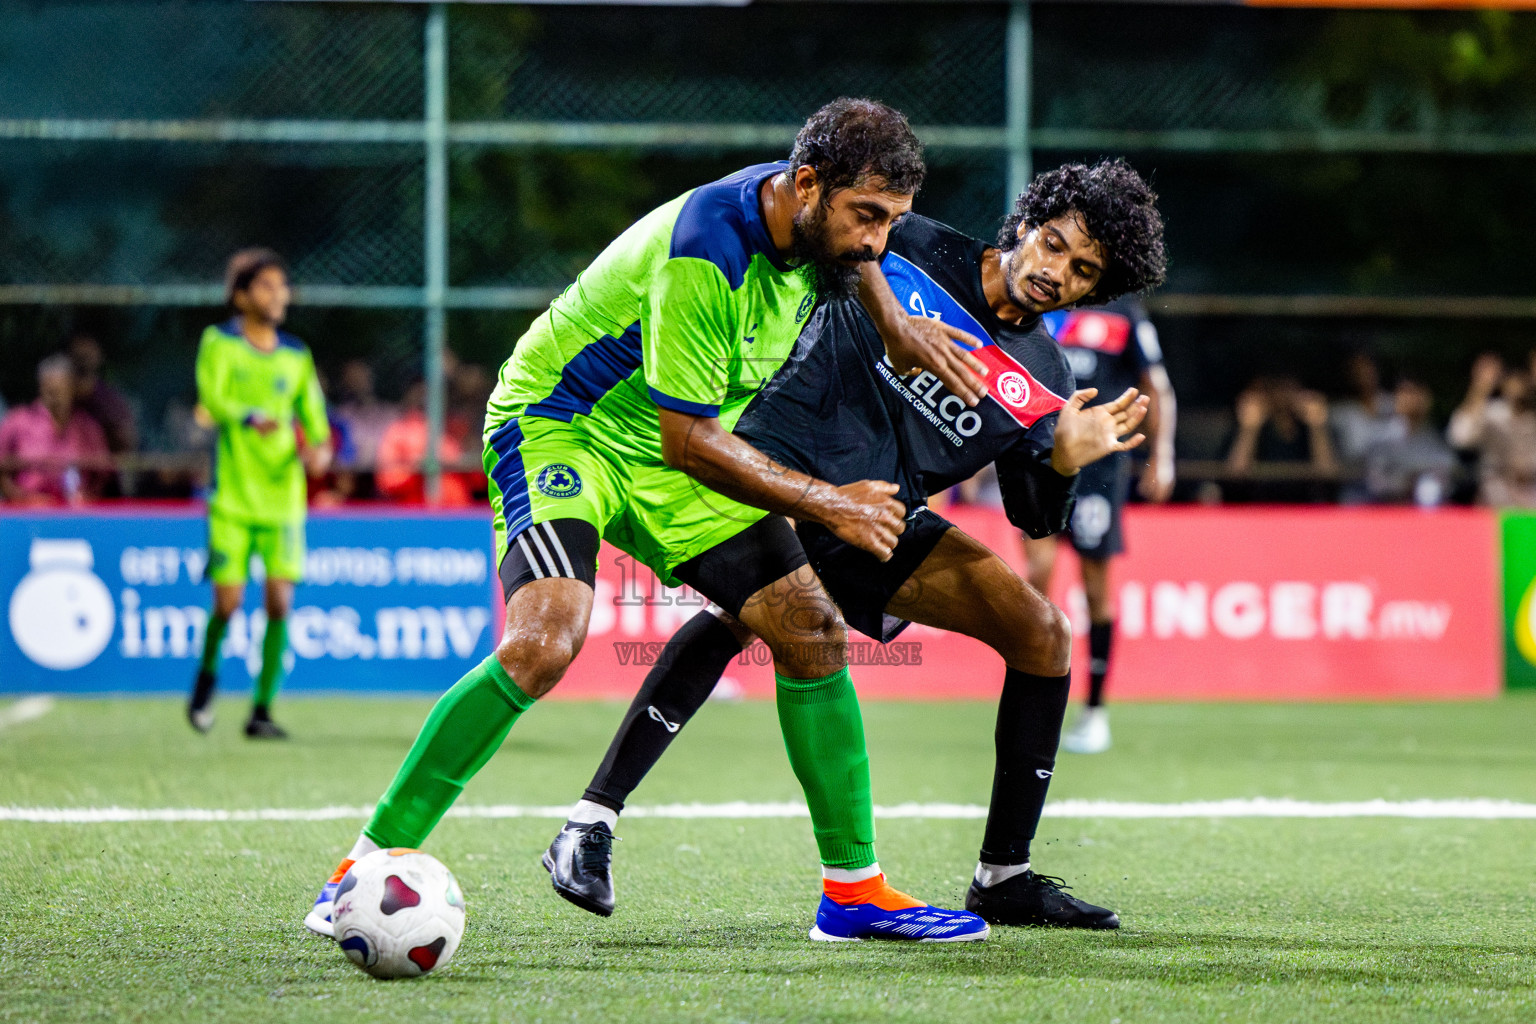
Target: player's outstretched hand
{"points": [[867, 515], [928, 344], [1085, 435]]}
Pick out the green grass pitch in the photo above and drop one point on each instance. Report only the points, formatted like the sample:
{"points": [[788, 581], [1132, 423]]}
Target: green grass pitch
{"points": [[1238, 919]]}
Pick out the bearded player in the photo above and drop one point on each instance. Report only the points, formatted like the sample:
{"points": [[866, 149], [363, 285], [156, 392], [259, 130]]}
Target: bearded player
{"points": [[612, 420], [256, 383], [839, 411]]}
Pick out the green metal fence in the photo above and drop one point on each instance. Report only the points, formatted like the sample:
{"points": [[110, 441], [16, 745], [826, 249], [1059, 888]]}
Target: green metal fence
{"points": [[432, 158]]}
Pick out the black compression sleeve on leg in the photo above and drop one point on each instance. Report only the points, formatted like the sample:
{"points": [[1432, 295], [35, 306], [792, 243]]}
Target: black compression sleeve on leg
{"points": [[1101, 638], [1028, 730], [676, 686]]}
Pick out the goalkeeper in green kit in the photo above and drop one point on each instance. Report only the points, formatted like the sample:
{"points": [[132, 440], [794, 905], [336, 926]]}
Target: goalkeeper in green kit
{"points": [[256, 384]]}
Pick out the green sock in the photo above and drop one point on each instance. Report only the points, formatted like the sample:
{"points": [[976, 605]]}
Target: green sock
{"points": [[824, 735], [213, 638], [274, 644], [465, 728]]}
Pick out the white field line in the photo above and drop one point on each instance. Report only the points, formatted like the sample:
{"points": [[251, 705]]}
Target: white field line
{"points": [[25, 710], [1260, 807]]}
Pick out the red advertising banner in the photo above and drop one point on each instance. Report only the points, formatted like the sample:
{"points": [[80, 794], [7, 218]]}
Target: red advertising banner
{"points": [[1214, 604]]}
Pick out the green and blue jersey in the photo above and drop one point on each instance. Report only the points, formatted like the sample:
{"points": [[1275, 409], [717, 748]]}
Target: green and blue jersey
{"points": [[258, 478], [691, 309]]}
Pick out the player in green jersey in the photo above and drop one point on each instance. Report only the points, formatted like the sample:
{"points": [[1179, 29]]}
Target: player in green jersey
{"points": [[612, 421], [255, 383]]}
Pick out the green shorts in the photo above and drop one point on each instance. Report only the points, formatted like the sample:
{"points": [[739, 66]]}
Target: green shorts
{"points": [[232, 541], [542, 469]]}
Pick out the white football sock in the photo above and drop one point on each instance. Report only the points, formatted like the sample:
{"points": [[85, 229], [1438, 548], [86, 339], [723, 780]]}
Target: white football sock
{"points": [[588, 813], [362, 848], [847, 875], [991, 874]]}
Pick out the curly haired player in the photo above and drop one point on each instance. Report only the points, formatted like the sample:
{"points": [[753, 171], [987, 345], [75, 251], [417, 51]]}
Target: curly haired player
{"points": [[839, 411], [612, 420]]}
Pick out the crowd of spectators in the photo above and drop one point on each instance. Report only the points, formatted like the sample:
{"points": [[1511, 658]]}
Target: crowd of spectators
{"points": [[79, 441], [1382, 446], [1496, 423], [76, 442]]}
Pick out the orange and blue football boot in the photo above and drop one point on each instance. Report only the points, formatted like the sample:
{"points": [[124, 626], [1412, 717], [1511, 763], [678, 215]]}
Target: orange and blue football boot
{"points": [[871, 909], [318, 920]]}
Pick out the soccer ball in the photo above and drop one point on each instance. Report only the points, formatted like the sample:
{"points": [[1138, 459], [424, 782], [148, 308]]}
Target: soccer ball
{"points": [[398, 914]]}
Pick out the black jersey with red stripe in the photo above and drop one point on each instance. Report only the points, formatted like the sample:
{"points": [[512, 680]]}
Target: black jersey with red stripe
{"points": [[839, 412], [1108, 347]]}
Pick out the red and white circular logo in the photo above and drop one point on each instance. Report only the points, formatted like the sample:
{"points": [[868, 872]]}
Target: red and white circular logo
{"points": [[1013, 389]]}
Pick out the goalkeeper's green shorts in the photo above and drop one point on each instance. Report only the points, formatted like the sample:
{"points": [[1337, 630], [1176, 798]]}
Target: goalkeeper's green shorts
{"points": [[232, 541], [542, 469]]}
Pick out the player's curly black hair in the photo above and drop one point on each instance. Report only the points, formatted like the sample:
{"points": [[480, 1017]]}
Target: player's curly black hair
{"points": [[851, 140], [1117, 207]]}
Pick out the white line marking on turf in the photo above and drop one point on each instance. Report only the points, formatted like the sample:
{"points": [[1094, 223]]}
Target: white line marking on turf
{"points": [[25, 710], [1259, 807]]}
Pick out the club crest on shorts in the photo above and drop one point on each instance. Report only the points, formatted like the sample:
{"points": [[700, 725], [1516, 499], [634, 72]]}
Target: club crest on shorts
{"points": [[557, 480]]}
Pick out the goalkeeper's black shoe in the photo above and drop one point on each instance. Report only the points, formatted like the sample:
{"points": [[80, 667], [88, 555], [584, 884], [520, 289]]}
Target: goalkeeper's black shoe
{"points": [[580, 866], [200, 704], [1040, 900], [261, 727]]}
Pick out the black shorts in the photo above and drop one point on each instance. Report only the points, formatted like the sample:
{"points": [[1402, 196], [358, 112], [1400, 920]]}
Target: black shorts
{"points": [[860, 583], [1102, 488], [727, 574]]}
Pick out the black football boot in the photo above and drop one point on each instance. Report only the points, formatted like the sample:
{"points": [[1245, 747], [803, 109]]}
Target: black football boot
{"points": [[580, 866], [1031, 899]]}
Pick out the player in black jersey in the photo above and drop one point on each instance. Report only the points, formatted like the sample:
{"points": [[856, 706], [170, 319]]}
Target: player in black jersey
{"points": [[837, 408], [1109, 348]]}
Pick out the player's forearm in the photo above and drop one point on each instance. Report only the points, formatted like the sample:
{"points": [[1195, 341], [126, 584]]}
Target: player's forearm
{"points": [[1240, 459], [1322, 450], [880, 302], [1162, 431], [1065, 463], [725, 463]]}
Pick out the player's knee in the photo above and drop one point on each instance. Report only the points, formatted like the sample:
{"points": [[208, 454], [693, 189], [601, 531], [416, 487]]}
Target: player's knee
{"points": [[537, 666], [1042, 640], [815, 643], [227, 602]]}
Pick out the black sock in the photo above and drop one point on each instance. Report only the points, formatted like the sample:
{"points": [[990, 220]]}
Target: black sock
{"points": [[676, 686], [1101, 637], [1028, 730]]}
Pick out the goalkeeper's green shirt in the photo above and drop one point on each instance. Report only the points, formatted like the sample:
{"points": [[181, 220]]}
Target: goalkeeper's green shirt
{"points": [[258, 477], [691, 309]]}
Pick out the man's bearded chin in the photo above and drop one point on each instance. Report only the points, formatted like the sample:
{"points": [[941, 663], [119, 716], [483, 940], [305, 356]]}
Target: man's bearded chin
{"points": [[836, 276]]}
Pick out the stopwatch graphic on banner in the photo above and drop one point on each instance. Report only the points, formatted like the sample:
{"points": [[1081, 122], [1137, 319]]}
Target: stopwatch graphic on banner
{"points": [[61, 613]]}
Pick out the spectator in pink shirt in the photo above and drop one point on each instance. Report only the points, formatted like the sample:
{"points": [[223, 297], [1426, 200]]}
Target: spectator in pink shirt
{"points": [[50, 451]]}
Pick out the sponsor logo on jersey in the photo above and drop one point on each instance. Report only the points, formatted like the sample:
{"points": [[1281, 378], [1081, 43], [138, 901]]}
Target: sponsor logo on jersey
{"points": [[923, 296], [1009, 383], [1013, 389], [557, 480]]}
